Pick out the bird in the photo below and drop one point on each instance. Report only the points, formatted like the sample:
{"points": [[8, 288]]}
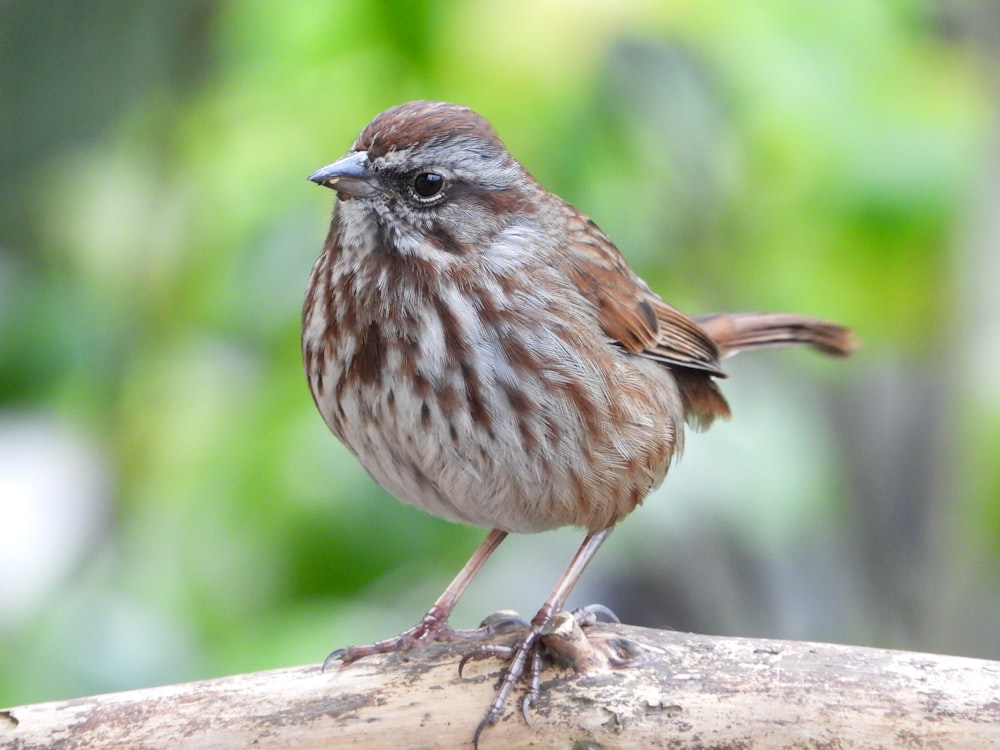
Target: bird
{"points": [[488, 355]]}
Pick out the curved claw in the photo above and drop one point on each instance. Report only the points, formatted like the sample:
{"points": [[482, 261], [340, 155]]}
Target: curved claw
{"points": [[484, 652], [526, 702], [421, 633], [465, 660], [479, 730], [335, 655], [535, 684], [461, 664]]}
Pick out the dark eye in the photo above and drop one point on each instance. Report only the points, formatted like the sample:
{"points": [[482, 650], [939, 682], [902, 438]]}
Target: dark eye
{"points": [[428, 184]]}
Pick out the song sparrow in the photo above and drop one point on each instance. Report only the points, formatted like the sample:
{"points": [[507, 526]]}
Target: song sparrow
{"points": [[488, 355]]}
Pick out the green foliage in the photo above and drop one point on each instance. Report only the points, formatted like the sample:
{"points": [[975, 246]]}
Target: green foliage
{"points": [[156, 231]]}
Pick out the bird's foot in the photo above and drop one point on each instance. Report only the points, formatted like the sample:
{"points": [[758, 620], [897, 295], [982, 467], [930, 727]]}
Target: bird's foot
{"points": [[556, 639], [431, 629]]}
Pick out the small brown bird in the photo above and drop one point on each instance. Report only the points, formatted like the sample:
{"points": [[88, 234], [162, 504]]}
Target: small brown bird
{"points": [[487, 354]]}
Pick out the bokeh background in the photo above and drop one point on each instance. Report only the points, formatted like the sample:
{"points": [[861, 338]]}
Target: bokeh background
{"points": [[173, 508]]}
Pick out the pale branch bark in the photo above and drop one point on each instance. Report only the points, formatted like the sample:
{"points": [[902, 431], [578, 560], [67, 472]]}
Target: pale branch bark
{"points": [[642, 689]]}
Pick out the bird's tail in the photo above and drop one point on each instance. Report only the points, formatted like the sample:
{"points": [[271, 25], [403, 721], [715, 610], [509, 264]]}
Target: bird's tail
{"points": [[736, 332]]}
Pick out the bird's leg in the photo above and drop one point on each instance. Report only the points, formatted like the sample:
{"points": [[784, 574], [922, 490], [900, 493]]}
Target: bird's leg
{"points": [[527, 652], [434, 625]]}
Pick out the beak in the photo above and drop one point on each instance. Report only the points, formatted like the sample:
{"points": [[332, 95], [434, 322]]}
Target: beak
{"points": [[350, 176]]}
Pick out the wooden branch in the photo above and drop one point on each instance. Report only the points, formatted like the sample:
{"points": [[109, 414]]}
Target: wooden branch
{"points": [[642, 689]]}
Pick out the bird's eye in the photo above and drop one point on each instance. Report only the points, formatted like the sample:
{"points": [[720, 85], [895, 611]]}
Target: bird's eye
{"points": [[428, 184]]}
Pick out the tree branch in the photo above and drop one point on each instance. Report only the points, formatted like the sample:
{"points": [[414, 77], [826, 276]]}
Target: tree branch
{"points": [[641, 689]]}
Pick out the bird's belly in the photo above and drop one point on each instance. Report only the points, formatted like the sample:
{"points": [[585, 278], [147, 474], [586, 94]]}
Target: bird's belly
{"points": [[529, 457]]}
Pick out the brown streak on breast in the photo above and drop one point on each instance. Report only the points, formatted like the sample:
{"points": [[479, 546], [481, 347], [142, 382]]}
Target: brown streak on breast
{"points": [[458, 352], [456, 347], [314, 358], [409, 353], [518, 356], [478, 412], [449, 401], [584, 406], [421, 387], [522, 408], [368, 363], [344, 317]]}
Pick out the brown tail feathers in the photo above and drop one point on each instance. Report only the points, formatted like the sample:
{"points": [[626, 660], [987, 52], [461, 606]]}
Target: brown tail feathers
{"points": [[736, 332]]}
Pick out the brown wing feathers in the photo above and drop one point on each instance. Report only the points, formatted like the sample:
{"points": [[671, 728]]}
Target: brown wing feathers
{"points": [[641, 323], [631, 314]]}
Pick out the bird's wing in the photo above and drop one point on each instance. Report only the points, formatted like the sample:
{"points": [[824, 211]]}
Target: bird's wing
{"points": [[629, 312]]}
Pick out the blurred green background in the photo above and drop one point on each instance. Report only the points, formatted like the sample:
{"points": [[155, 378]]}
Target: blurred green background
{"points": [[174, 508]]}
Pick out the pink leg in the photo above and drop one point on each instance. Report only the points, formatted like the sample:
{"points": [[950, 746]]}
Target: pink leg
{"points": [[434, 625]]}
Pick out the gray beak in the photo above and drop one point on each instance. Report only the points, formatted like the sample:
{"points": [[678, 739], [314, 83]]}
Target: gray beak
{"points": [[350, 176]]}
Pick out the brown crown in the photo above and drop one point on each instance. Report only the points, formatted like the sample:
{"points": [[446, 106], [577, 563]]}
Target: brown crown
{"points": [[420, 122]]}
